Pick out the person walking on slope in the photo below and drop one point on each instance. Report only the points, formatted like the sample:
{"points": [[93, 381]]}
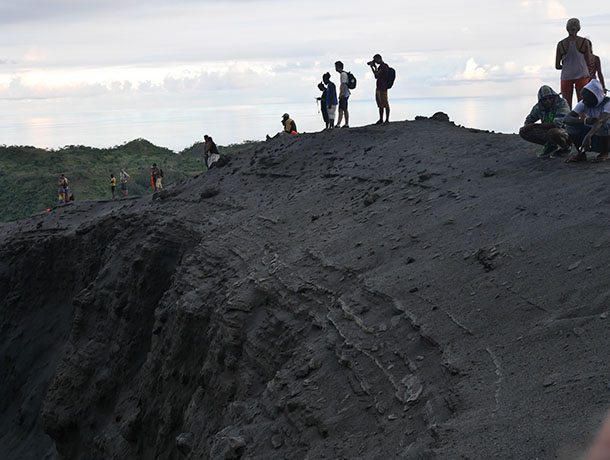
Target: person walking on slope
{"points": [[382, 73], [331, 99], [344, 94], [112, 186], [123, 179], [210, 151], [323, 107], [550, 110], [589, 123], [573, 58]]}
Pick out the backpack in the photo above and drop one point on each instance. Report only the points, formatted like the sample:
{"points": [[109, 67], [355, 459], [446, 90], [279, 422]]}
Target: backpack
{"points": [[351, 81], [391, 77]]}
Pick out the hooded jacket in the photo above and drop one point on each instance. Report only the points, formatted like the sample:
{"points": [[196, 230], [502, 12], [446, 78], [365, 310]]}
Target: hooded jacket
{"points": [[602, 101], [555, 114]]}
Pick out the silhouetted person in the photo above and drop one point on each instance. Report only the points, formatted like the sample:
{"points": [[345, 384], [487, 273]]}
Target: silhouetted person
{"points": [[331, 99], [112, 186], [323, 108], [381, 71], [344, 94], [123, 179]]}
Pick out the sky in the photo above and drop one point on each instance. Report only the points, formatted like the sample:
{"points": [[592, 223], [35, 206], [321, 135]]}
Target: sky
{"points": [[138, 60]]}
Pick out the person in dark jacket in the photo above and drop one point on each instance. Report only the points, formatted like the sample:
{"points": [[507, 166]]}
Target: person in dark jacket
{"points": [[331, 99], [382, 73], [323, 108]]}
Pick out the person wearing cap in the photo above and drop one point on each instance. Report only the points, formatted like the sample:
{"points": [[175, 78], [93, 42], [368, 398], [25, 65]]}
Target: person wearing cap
{"points": [[589, 123], [290, 127], [573, 57], [550, 111]]}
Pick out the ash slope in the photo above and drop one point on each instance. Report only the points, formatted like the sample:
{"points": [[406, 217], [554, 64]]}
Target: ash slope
{"points": [[415, 291]]}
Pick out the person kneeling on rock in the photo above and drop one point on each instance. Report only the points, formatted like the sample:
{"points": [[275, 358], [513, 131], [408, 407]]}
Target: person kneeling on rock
{"points": [[589, 123], [550, 110]]}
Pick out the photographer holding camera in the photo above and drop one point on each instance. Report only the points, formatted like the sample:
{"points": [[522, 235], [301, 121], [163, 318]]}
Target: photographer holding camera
{"points": [[381, 71]]}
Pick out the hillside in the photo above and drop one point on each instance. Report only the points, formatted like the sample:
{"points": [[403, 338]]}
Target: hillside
{"points": [[413, 291], [28, 175]]}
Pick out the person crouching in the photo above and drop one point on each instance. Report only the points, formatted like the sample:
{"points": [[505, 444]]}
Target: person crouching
{"points": [[550, 110]]}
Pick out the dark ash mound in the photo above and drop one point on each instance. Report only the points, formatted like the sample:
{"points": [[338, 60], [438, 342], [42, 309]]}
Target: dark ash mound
{"points": [[413, 291]]}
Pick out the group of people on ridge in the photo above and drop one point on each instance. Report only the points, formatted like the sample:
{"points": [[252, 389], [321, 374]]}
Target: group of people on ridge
{"points": [[331, 100], [587, 124]]}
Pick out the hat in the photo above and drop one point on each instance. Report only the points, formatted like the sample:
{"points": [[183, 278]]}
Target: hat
{"points": [[285, 116]]}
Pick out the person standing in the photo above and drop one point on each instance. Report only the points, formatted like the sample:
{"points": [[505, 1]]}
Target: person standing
{"points": [[331, 99], [154, 175], [123, 179], [573, 58], [382, 73], [112, 186], [323, 107], [62, 189], [595, 69], [344, 94]]}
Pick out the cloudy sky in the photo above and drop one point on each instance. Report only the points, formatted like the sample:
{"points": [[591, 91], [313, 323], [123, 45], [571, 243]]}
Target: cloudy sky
{"points": [[154, 55]]}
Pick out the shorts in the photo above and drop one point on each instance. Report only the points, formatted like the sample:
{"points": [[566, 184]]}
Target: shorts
{"points": [[332, 110], [343, 103], [382, 99]]}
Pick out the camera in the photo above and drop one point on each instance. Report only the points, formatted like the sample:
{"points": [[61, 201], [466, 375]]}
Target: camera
{"points": [[371, 63]]}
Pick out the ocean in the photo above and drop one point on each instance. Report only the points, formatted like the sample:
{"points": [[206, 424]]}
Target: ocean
{"points": [[40, 124]]}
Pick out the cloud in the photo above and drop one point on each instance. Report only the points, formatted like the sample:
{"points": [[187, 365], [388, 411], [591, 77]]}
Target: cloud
{"points": [[474, 71], [555, 10]]}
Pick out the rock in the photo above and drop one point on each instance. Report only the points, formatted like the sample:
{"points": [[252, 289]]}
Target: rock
{"points": [[489, 173], [574, 266], [209, 192], [277, 441], [392, 417], [441, 116], [370, 198], [184, 442], [604, 315]]}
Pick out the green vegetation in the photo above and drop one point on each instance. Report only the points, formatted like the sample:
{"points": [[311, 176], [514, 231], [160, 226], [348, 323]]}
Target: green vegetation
{"points": [[28, 175]]}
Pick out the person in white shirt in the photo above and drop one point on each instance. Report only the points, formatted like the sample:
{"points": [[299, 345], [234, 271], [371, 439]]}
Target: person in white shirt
{"points": [[344, 94], [589, 123]]}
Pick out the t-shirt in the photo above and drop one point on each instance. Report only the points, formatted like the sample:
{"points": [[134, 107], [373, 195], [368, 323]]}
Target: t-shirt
{"points": [[382, 77], [344, 80], [592, 112], [113, 182]]}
